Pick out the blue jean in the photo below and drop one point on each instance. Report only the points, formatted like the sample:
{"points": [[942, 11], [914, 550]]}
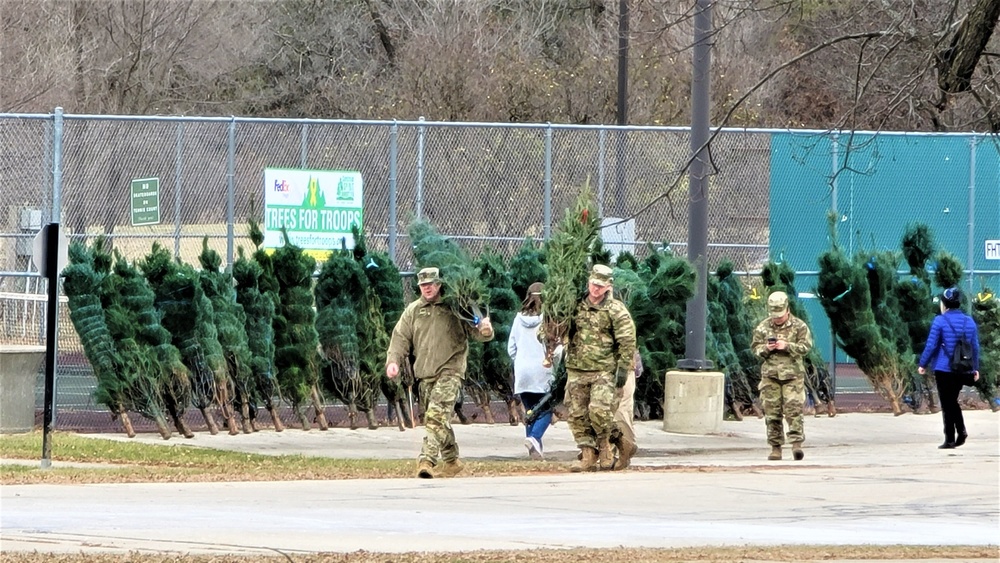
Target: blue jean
{"points": [[538, 427]]}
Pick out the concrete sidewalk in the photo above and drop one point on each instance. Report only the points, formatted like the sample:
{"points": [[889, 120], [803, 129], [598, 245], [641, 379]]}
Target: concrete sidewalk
{"points": [[866, 479]]}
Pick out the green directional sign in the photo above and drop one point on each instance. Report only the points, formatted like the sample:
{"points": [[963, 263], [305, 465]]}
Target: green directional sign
{"points": [[146, 201]]}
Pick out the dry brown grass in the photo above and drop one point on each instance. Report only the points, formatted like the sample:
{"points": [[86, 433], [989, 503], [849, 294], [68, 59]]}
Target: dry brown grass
{"points": [[617, 555]]}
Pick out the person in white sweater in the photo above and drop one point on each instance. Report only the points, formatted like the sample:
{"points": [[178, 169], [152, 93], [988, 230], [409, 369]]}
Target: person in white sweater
{"points": [[531, 380]]}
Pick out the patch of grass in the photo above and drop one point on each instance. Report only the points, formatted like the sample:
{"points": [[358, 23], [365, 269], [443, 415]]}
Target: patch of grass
{"points": [[130, 462]]}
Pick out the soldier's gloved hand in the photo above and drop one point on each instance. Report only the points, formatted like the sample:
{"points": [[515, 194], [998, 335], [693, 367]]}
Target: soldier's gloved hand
{"points": [[621, 376]]}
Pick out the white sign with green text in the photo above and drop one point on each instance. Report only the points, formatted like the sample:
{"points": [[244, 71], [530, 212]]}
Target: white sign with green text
{"points": [[317, 207]]}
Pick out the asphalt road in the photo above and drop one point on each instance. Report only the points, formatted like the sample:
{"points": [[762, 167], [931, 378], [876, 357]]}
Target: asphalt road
{"points": [[867, 479]]}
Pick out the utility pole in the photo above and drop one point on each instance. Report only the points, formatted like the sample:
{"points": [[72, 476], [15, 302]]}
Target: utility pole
{"points": [[618, 207], [697, 308]]}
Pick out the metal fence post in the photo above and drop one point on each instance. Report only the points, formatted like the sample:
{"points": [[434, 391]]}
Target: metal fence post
{"points": [[57, 139], [304, 146], [231, 194], [972, 213], [393, 153], [420, 170], [601, 139], [178, 182], [548, 182], [835, 164], [53, 317]]}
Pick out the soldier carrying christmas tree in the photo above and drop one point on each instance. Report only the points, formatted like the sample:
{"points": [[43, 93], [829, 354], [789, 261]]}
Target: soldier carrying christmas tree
{"points": [[438, 340], [599, 357]]}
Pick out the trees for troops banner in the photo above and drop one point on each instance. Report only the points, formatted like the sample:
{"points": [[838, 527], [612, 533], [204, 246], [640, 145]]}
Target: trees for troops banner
{"points": [[317, 207]]}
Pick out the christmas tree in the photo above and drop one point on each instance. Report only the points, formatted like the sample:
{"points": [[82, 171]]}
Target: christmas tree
{"points": [[385, 297], [259, 306], [527, 267], [566, 257], [187, 315], [133, 319], [498, 371], [917, 310], [461, 289], [659, 313], [845, 293], [986, 313], [230, 323], [82, 284], [344, 324], [296, 360]]}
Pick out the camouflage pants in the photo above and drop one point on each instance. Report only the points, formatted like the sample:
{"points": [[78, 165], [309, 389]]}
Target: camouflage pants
{"points": [[783, 400], [440, 395], [592, 404]]}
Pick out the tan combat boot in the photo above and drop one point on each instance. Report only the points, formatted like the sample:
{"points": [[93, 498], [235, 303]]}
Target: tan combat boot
{"points": [[425, 469], [450, 468], [797, 452], [775, 454], [831, 409], [588, 460], [626, 449], [605, 455]]}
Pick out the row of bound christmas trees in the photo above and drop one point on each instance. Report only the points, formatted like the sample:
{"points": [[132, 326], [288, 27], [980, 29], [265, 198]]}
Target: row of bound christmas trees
{"points": [[161, 335]]}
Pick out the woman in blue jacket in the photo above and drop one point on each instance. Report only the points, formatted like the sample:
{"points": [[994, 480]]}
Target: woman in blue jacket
{"points": [[945, 332]]}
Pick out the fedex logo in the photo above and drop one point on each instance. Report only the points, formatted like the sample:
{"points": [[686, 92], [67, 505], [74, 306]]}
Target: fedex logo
{"points": [[282, 186]]}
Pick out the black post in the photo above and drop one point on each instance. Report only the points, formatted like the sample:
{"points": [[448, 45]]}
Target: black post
{"points": [[697, 307], [618, 207], [51, 272]]}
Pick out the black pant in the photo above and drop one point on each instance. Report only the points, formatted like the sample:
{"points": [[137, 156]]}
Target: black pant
{"points": [[949, 385]]}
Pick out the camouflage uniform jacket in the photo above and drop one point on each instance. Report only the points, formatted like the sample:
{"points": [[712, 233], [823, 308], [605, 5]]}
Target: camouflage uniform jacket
{"points": [[602, 337], [782, 364], [437, 340]]}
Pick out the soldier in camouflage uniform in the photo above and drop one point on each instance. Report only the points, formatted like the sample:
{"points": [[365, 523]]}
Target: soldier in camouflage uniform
{"points": [[598, 360], [782, 341], [438, 341]]}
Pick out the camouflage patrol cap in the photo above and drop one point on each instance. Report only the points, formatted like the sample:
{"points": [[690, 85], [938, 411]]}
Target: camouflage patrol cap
{"points": [[428, 275], [777, 304], [601, 275]]}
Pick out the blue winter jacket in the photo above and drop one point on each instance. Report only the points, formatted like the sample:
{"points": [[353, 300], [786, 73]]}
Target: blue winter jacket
{"points": [[943, 337]]}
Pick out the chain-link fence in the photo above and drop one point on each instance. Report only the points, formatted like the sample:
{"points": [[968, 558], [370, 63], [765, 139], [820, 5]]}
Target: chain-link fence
{"points": [[483, 184]]}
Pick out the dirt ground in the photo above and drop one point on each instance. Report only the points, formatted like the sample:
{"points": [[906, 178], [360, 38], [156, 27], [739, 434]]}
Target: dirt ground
{"points": [[623, 555]]}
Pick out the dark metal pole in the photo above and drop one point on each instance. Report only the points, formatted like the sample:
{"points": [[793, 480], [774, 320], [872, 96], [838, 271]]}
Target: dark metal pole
{"points": [[697, 307], [618, 206], [51, 272]]}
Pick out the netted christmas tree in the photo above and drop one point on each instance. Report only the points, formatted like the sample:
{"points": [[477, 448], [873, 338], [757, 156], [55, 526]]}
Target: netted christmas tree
{"points": [[344, 322], [741, 321], [497, 371], [135, 323], [986, 313], [527, 267], [567, 255], [779, 276], [461, 289], [385, 297], [82, 285], [659, 314], [230, 323], [917, 310], [296, 359], [845, 293], [719, 346], [187, 315], [259, 306]]}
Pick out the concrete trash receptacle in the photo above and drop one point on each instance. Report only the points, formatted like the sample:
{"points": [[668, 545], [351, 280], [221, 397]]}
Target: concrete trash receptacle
{"points": [[18, 374]]}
